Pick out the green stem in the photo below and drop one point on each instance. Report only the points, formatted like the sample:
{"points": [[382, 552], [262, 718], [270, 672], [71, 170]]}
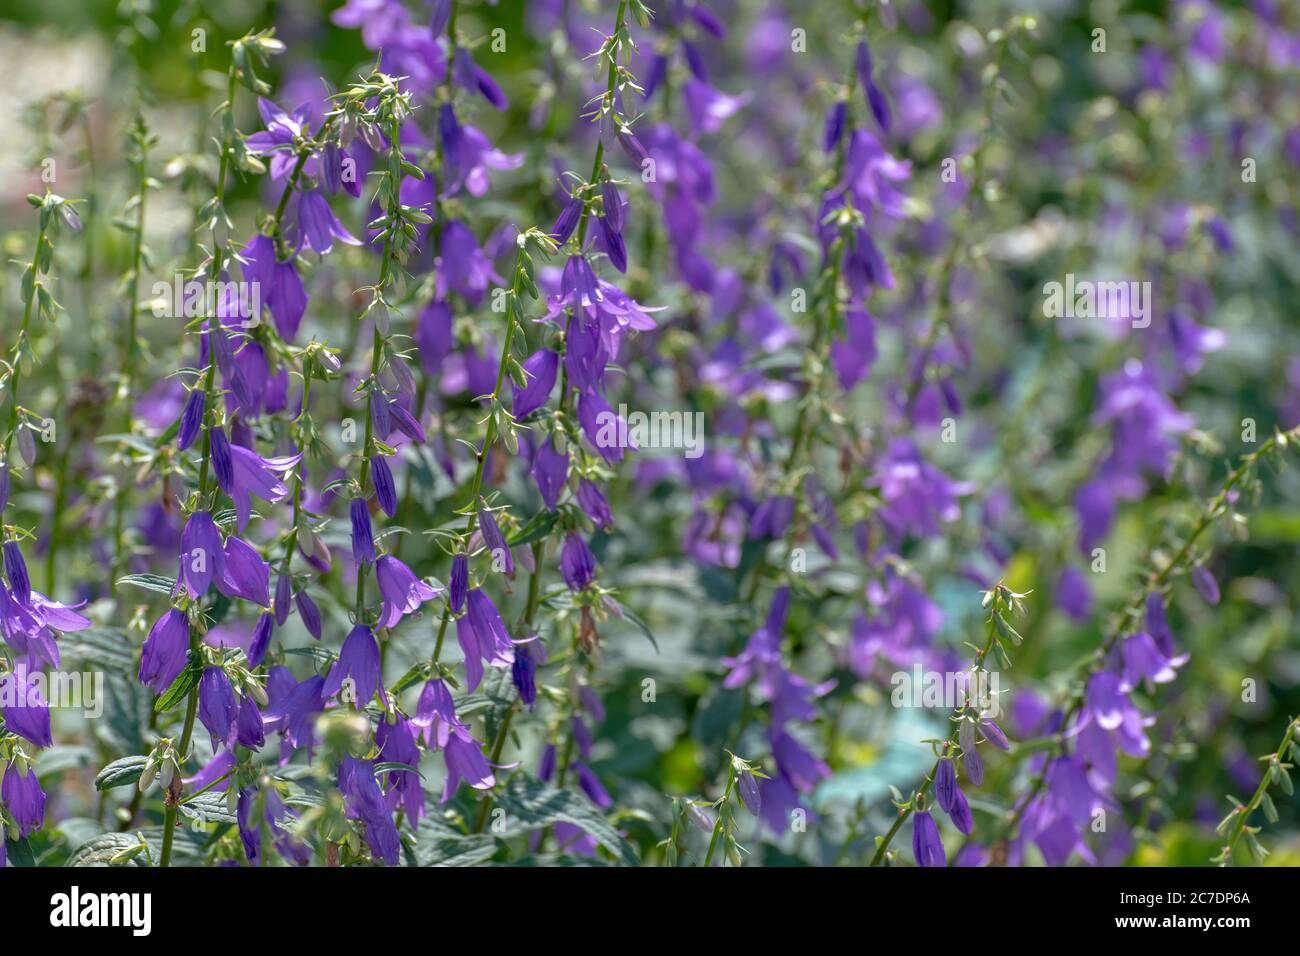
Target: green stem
{"points": [[921, 791], [1244, 812]]}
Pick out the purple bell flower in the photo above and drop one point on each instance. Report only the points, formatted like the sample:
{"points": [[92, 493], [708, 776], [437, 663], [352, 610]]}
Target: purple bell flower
{"points": [[166, 651]]}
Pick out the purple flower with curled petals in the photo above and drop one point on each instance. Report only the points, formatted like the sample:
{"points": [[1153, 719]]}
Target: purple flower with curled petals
{"points": [[465, 762], [435, 714], [318, 227], [1144, 662], [402, 591], [277, 140]]}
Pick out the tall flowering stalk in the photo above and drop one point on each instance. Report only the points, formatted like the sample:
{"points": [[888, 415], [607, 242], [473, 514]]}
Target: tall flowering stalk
{"points": [[969, 726]]}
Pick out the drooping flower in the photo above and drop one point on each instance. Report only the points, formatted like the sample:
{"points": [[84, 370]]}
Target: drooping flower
{"points": [[218, 710], [166, 651], [16, 569], [244, 573], [402, 591], [385, 490], [191, 419], [25, 711], [318, 227], [576, 562], [396, 742], [363, 537], [358, 661], [24, 799], [496, 543], [550, 471], [927, 847], [465, 761], [435, 714], [523, 673], [252, 474], [202, 555], [309, 613], [459, 581], [945, 783], [364, 801]]}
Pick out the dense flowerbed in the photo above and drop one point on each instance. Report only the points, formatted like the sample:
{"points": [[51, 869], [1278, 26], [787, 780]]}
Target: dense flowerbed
{"points": [[679, 433]]}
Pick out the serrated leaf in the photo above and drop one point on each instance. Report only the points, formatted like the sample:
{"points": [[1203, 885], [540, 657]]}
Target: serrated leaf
{"points": [[209, 807], [435, 848], [530, 804], [100, 851]]}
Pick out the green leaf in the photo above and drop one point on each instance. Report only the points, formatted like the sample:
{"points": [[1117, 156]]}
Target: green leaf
{"points": [[100, 850], [149, 582], [435, 848], [19, 852], [121, 773], [530, 804], [209, 807], [538, 527], [180, 689]]}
